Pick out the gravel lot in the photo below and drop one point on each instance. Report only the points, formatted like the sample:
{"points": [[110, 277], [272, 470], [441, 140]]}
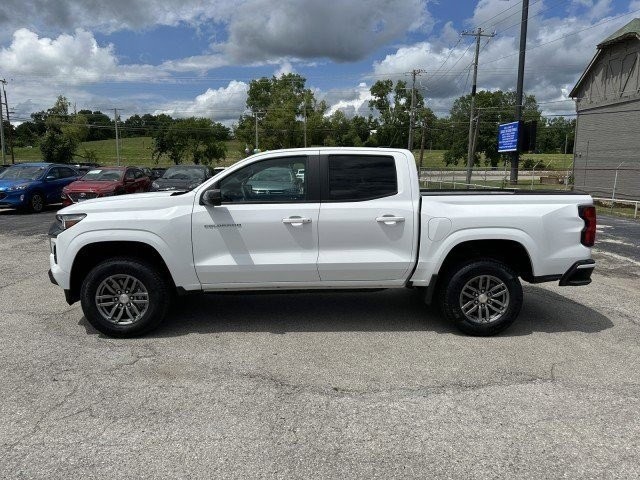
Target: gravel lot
{"points": [[367, 385]]}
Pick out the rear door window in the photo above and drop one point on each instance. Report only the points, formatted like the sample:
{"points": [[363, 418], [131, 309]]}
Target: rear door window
{"points": [[354, 178]]}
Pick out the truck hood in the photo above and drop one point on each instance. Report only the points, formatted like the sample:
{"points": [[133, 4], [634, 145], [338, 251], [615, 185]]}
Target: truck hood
{"points": [[84, 186], [133, 202]]}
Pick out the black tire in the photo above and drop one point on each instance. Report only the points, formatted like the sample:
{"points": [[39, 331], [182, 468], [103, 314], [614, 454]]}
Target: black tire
{"points": [[156, 285], [36, 202], [451, 297]]}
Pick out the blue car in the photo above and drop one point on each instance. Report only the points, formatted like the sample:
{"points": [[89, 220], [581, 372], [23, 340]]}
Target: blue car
{"points": [[31, 186]]}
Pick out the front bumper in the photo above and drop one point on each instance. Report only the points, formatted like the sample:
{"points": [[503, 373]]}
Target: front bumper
{"points": [[14, 199], [579, 274]]}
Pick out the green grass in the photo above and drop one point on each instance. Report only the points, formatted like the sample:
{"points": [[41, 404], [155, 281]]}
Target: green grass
{"points": [[133, 151], [548, 161]]}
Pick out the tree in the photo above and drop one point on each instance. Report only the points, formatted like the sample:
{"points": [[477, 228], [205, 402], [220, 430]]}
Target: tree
{"points": [[101, 127], [493, 108], [64, 133], [280, 104], [199, 139], [554, 134], [393, 104]]}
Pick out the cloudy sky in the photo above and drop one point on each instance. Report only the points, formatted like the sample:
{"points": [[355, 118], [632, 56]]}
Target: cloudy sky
{"points": [[196, 57]]}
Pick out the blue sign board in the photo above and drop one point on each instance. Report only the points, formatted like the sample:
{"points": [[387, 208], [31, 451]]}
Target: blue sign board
{"points": [[508, 134]]}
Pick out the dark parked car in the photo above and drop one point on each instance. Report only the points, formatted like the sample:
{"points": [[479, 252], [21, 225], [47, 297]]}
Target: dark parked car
{"points": [[182, 177], [105, 182], [31, 186], [157, 172]]}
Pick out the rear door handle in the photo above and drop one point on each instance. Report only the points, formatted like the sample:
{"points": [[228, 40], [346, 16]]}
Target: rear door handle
{"points": [[296, 221], [389, 219]]}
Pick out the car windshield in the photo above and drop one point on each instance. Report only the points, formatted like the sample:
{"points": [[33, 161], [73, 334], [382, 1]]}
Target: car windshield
{"points": [[22, 173], [273, 175], [181, 173], [103, 175]]}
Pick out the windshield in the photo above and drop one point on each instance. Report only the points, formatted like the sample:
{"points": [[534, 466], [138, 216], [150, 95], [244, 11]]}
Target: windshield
{"points": [[103, 175], [273, 175], [22, 173], [182, 173]]}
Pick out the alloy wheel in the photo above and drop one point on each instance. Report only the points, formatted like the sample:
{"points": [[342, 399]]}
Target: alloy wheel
{"points": [[484, 299], [122, 299]]}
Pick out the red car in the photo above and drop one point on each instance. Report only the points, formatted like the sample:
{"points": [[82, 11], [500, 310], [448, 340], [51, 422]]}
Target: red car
{"points": [[104, 182]]}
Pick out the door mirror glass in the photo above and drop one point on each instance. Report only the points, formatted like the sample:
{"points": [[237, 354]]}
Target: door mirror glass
{"points": [[48, 178], [212, 198]]}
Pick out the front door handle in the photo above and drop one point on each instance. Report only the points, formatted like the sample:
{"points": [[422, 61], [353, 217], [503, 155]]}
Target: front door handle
{"points": [[389, 219], [296, 221]]}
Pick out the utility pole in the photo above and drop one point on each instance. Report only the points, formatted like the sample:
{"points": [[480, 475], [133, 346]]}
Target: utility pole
{"points": [[4, 157], [478, 33], [305, 125], [424, 134], [414, 72], [515, 156], [6, 104], [255, 114], [115, 118]]}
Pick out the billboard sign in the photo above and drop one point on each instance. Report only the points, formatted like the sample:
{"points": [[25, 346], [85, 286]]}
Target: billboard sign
{"points": [[508, 135]]}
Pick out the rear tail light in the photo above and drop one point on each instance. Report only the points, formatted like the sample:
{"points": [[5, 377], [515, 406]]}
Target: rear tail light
{"points": [[588, 234]]}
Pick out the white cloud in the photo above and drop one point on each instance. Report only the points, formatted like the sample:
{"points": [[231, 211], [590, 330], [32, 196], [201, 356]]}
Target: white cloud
{"points": [[75, 58], [552, 65], [352, 102], [285, 68], [70, 60], [258, 30], [109, 16], [303, 29], [224, 104]]}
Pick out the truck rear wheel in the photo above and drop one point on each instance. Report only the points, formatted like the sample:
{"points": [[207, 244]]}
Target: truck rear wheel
{"points": [[481, 298], [125, 297]]}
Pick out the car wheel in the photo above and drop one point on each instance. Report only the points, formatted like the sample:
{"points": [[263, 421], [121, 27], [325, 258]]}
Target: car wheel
{"points": [[36, 202], [125, 297], [481, 298]]}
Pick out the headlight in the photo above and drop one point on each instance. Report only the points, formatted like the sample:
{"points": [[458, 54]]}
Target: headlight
{"points": [[155, 185], [69, 220], [18, 187]]}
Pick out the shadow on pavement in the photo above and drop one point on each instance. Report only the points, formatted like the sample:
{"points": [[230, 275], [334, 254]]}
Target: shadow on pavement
{"points": [[391, 310], [10, 212]]}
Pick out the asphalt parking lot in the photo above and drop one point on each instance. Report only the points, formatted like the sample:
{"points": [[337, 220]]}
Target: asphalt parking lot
{"points": [[345, 385]]}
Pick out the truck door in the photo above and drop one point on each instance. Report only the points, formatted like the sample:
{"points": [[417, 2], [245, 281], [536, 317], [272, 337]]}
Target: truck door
{"points": [[266, 230], [366, 225]]}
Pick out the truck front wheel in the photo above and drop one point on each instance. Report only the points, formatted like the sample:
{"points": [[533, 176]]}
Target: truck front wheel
{"points": [[125, 297], [481, 298]]}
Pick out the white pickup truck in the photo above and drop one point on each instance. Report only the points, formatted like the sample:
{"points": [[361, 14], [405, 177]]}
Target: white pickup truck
{"points": [[354, 219]]}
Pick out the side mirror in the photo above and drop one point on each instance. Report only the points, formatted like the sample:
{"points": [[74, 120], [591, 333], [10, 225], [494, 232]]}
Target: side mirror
{"points": [[48, 178], [211, 198]]}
